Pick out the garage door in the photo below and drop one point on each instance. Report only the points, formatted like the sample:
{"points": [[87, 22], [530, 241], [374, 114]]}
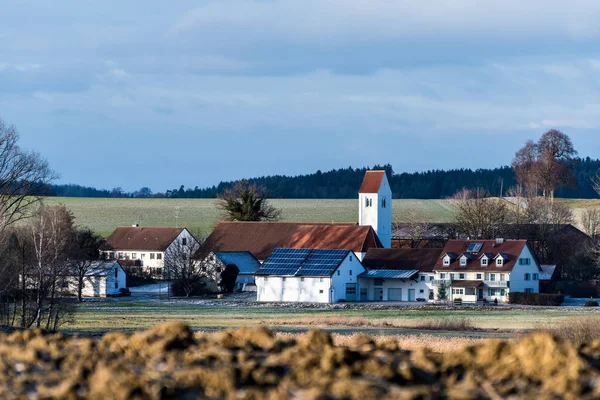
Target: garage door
{"points": [[394, 294], [411, 294]]}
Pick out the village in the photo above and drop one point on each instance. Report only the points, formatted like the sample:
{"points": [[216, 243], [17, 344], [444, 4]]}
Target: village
{"points": [[372, 260]]}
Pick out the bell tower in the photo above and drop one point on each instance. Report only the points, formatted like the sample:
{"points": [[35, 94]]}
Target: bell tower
{"points": [[375, 205]]}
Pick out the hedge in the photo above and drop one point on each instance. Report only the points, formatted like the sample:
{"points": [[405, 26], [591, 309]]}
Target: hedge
{"points": [[536, 299]]}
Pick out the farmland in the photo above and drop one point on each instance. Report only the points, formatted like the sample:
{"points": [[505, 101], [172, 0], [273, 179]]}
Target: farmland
{"points": [[200, 215]]}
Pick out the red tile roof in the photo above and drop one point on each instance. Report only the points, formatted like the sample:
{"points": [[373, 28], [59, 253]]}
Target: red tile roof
{"points": [[261, 238], [511, 248], [402, 259], [466, 283], [143, 238], [372, 181]]}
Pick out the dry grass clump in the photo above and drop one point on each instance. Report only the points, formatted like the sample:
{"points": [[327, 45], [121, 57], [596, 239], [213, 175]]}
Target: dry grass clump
{"points": [[576, 329], [447, 324], [170, 361]]}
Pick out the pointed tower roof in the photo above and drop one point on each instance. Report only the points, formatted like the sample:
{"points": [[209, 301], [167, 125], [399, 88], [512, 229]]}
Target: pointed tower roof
{"points": [[372, 181]]}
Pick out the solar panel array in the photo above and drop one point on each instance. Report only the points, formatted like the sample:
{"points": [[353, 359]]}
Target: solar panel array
{"points": [[475, 247], [322, 262], [283, 262], [305, 262]]}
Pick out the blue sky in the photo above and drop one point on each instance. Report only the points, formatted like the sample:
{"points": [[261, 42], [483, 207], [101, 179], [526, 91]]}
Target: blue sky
{"points": [[161, 94]]}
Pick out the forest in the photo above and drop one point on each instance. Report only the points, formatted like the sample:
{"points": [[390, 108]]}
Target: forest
{"points": [[343, 183]]}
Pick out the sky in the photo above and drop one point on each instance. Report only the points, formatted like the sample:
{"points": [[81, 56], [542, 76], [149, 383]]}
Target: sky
{"points": [[160, 94]]}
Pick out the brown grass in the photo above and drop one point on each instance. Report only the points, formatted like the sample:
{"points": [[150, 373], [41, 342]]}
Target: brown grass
{"points": [[406, 342], [576, 329], [446, 324]]}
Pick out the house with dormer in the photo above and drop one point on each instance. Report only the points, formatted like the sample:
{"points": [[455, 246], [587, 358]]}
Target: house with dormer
{"points": [[486, 270]]}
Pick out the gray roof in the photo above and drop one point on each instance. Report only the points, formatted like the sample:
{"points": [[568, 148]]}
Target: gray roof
{"points": [[389, 273], [547, 272], [244, 260], [97, 268]]}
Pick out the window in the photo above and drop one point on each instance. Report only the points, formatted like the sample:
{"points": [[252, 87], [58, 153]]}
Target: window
{"points": [[142, 256], [350, 258], [116, 285], [320, 279], [451, 277], [283, 279], [133, 255], [339, 272], [184, 241], [366, 202], [528, 290], [461, 276], [350, 272], [421, 291], [492, 277], [442, 276], [152, 256], [159, 256], [463, 261], [499, 261], [422, 278], [501, 277], [121, 256], [266, 278], [535, 277], [377, 282], [370, 202], [458, 291], [527, 276], [496, 292], [116, 272], [321, 291], [383, 203], [302, 279], [446, 261], [478, 276], [484, 262], [430, 278], [524, 261]]}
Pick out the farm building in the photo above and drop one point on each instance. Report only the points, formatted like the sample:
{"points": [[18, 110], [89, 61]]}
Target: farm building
{"points": [[148, 246], [398, 275], [478, 270], [309, 275], [103, 278], [241, 262]]}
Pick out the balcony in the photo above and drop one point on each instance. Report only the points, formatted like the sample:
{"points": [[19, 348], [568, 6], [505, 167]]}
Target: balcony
{"points": [[497, 284], [440, 282]]}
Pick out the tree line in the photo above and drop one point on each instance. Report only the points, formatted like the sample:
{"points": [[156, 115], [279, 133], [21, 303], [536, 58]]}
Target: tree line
{"points": [[343, 183]]}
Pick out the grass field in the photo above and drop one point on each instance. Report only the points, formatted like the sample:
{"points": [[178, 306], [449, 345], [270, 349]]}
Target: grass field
{"points": [[200, 215]]}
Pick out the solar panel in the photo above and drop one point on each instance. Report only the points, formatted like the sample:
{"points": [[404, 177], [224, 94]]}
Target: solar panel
{"points": [[283, 261], [475, 247], [322, 262]]}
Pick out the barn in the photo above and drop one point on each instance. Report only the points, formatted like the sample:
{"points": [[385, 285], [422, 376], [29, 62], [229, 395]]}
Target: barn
{"points": [[102, 279], [309, 275]]}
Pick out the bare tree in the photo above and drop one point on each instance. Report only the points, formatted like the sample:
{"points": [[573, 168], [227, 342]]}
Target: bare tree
{"points": [[24, 176], [84, 249], [479, 216], [181, 265], [246, 202], [596, 183], [590, 221], [545, 165], [51, 231], [416, 229]]}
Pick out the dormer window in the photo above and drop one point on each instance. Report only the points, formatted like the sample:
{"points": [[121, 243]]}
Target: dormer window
{"points": [[463, 261], [484, 262], [446, 261], [499, 261]]}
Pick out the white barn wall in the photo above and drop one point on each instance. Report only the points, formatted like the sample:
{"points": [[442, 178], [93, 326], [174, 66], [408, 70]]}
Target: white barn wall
{"points": [[346, 272], [372, 290], [517, 276]]}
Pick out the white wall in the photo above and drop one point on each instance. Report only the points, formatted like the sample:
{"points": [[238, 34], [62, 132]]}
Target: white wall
{"points": [[517, 276], [418, 286], [347, 272], [100, 286]]}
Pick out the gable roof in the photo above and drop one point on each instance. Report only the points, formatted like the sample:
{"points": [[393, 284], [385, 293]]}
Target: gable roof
{"points": [[423, 260], [372, 181], [509, 249], [144, 238], [302, 262], [547, 272], [96, 268], [261, 238], [244, 260]]}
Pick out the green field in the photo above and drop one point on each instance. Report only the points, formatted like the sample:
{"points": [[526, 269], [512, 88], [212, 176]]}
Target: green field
{"points": [[200, 215]]}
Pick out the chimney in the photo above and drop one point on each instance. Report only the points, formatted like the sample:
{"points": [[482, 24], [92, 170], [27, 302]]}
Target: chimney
{"points": [[499, 241], [135, 225]]}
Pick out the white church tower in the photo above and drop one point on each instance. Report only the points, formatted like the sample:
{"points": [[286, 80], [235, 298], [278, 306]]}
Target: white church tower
{"points": [[375, 205]]}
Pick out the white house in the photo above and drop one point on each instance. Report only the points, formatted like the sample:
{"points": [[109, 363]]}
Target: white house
{"points": [[398, 275], [147, 246], [102, 279], [309, 275], [375, 205], [478, 270]]}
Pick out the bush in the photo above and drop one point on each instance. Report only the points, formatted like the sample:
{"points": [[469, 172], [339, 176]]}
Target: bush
{"points": [[591, 303], [199, 288], [536, 299]]}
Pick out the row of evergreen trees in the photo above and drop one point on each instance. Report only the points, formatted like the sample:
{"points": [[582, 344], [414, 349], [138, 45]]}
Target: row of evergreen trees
{"points": [[343, 184]]}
